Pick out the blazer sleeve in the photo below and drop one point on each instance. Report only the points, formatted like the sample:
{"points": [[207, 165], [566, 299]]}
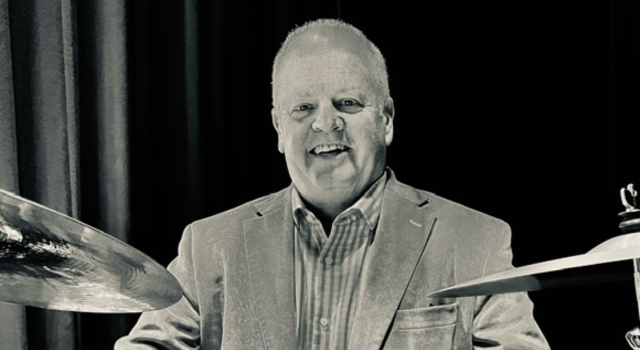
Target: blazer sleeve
{"points": [[505, 321], [175, 327]]}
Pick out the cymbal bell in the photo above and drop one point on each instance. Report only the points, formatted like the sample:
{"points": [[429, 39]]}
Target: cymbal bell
{"points": [[50, 260]]}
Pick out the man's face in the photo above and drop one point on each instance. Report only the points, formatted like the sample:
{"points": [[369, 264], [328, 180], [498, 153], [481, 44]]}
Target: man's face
{"points": [[333, 125]]}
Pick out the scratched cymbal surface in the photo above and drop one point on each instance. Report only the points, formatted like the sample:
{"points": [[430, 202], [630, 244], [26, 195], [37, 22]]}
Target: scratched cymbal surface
{"points": [[586, 269], [52, 261]]}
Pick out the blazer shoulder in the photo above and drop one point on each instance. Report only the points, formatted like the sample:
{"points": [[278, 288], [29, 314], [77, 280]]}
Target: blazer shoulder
{"points": [[472, 232], [450, 207], [449, 210], [229, 222]]}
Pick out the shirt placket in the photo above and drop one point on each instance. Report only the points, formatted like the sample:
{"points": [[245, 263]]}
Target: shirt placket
{"points": [[323, 293], [317, 338]]}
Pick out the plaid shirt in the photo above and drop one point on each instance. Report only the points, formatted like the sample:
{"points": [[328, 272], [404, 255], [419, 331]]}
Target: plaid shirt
{"points": [[329, 270]]}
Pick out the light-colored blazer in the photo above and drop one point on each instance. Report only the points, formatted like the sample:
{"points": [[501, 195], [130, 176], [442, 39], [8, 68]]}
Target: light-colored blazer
{"points": [[237, 270]]}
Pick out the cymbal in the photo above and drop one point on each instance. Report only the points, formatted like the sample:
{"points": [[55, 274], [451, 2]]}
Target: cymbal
{"points": [[607, 262], [604, 263], [50, 260]]}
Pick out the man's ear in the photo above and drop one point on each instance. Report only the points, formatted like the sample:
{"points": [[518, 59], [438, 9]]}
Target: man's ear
{"points": [[388, 111], [276, 125]]}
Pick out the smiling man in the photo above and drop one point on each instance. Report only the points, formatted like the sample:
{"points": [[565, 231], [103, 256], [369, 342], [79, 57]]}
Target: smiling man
{"points": [[345, 257], [334, 117]]}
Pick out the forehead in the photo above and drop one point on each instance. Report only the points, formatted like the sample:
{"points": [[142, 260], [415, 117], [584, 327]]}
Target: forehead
{"points": [[324, 72]]}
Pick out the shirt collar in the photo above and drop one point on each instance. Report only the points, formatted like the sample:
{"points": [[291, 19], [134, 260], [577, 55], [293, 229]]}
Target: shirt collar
{"points": [[369, 204]]}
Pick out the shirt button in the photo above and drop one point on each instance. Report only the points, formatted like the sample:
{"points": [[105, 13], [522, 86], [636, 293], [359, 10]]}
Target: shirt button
{"points": [[324, 322], [328, 260]]}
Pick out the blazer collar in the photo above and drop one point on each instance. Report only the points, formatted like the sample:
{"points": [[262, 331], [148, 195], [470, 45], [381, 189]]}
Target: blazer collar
{"points": [[274, 201], [269, 247], [419, 198]]}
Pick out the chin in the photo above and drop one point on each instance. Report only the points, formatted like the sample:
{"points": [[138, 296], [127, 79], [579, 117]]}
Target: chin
{"points": [[336, 179]]}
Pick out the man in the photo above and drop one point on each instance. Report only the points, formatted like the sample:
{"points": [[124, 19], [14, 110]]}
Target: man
{"points": [[345, 257]]}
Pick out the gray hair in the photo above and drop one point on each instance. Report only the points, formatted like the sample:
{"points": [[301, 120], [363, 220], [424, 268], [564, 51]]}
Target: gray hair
{"points": [[373, 55]]}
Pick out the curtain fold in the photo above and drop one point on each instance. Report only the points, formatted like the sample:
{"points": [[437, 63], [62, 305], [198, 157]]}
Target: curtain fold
{"points": [[12, 316], [104, 107], [70, 67], [104, 152], [192, 103], [42, 51]]}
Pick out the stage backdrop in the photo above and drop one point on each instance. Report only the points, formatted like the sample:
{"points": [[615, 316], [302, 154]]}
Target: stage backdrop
{"points": [[138, 117]]}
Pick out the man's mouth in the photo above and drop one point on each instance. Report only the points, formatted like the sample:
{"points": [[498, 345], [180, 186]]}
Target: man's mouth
{"points": [[329, 149]]}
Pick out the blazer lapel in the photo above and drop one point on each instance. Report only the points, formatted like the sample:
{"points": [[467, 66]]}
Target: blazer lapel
{"points": [[269, 249], [404, 228]]}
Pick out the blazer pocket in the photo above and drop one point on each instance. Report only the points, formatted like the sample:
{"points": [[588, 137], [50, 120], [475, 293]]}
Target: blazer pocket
{"points": [[426, 317], [424, 328]]}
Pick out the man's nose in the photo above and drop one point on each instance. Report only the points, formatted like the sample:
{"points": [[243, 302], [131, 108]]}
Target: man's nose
{"points": [[327, 119]]}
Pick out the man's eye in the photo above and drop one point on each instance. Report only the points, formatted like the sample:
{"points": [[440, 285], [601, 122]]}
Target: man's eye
{"points": [[303, 108], [349, 105], [348, 102]]}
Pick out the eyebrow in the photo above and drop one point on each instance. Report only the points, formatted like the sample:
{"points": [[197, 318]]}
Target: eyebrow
{"points": [[298, 94], [351, 88]]}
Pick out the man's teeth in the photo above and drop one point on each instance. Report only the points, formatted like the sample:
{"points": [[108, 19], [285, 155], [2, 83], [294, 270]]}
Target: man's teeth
{"points": [[328, 148]]}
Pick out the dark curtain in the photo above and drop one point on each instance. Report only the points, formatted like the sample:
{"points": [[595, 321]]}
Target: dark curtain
{"points": [[64, 137], [138, 117]]}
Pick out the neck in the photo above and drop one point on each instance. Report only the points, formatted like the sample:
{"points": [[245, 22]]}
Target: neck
{"points": [[328, 204], [329, 208], [327, 211]]}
